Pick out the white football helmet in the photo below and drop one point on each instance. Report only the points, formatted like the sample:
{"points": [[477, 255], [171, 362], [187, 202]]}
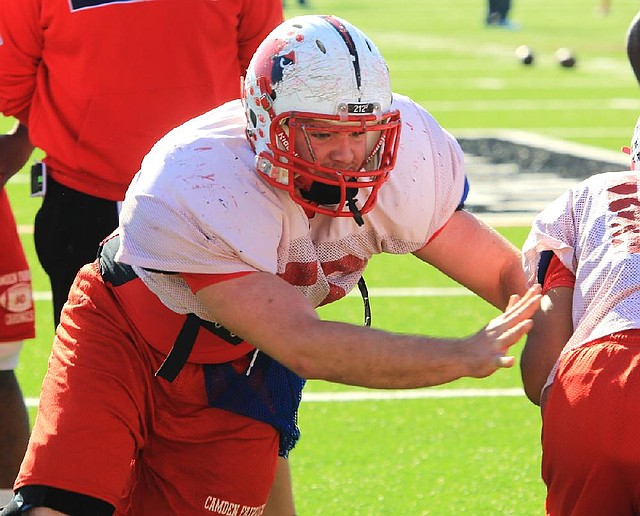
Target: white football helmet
{"points": [[320, 73]]}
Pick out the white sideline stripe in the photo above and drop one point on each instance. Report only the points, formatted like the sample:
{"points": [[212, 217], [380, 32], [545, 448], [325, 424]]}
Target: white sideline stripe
{"points": [[410, 394], [414, 292], [618, 104], [314, 397], [374, 292]]}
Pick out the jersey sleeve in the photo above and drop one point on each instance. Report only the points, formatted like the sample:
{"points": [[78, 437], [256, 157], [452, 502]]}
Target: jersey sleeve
{"points": [[197, 282], [552, 273], [427, 185], [552, 230], [444, 171], [21, 43]]}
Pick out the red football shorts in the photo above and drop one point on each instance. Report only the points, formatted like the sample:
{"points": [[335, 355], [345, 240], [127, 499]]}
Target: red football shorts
{"points": [[590, 445], [17, 321], [107, 428]]}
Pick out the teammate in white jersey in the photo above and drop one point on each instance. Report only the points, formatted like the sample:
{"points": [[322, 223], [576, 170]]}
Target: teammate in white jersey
{"points": [[581, 363], [237, 226]]}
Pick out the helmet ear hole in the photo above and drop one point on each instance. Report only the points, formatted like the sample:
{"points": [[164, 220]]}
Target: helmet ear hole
{"points": [[321, 46], [253, 118]]}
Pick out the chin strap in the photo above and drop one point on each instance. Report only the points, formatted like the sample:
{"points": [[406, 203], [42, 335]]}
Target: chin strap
{"points": [[351, 204], [364, 292], [365, 299]]}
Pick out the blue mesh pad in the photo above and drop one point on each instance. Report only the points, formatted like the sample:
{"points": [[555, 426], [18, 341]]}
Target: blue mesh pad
{"points": [[271, 393]]}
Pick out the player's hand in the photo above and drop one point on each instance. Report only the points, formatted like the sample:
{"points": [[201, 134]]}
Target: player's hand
{"points": [[487, 349]]}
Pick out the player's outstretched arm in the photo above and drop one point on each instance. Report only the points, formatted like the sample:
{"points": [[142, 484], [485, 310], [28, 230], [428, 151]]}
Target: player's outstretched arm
{"points": [[275, 317], [491, 267]]}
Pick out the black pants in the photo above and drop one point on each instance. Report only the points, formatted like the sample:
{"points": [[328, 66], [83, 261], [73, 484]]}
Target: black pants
{"points": [[68, 228], [498, 10]]}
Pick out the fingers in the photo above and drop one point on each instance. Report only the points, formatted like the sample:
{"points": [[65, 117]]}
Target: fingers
{"points": [[488, 348], [519, 308], [513, 299], [530, 300], [512, 335], [504, 361]]}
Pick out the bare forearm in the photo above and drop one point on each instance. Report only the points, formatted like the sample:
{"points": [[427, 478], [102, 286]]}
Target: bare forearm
{"points": [[360, 356], [553, 327], [15, 149], [278, 320], [478, 257]]}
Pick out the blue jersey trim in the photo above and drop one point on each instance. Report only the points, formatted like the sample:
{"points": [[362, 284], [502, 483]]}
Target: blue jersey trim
{"points": [[465, 193], [77, 5]]}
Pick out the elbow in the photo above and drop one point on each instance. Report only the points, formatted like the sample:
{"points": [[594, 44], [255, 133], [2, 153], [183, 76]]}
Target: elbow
{"points": [[532, 383], [298, 360], [303, 367], [533, 394]]}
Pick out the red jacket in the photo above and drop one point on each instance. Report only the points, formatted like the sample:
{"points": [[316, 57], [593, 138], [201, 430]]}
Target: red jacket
{"points": [[98, 82]]}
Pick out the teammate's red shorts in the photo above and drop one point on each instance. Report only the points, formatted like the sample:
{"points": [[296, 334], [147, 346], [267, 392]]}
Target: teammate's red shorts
{"points": [[17, 321], [107, 428], [590, 444]]}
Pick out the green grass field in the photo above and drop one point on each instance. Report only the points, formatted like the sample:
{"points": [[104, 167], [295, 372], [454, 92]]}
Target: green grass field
{"points": [[438, 455]]}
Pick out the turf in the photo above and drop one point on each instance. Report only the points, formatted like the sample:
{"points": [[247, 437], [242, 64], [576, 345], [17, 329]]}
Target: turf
{"points": [[477, 456]]}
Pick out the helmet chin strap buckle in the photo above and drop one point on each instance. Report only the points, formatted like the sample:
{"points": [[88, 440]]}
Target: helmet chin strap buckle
{"points": [[325, 194]]}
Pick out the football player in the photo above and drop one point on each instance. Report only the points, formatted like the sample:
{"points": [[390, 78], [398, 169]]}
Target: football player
{"points": [[580, 363], [179, 363]]}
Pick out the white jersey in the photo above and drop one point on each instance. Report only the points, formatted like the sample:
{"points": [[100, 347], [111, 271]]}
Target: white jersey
{"points": [[594, 229], [198, 205]]}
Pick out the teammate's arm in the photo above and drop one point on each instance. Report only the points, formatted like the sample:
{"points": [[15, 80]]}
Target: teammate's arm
{"points": [[552, 329], [478, 257], [15, 149], [275, 317]]}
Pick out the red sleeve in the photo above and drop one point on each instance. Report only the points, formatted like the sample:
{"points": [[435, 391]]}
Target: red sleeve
{"points": [[257, 20], [557, 275], [197, 282], [22, 39]]}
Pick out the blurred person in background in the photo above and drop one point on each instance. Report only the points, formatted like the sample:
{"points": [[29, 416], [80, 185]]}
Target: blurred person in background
{"points": [[498, 14], [17, 318]]}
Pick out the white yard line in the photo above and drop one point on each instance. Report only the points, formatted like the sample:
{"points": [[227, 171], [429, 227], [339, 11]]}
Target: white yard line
{"points": [[324, 397], [412, 394], [465, 106], [373, 292]]}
